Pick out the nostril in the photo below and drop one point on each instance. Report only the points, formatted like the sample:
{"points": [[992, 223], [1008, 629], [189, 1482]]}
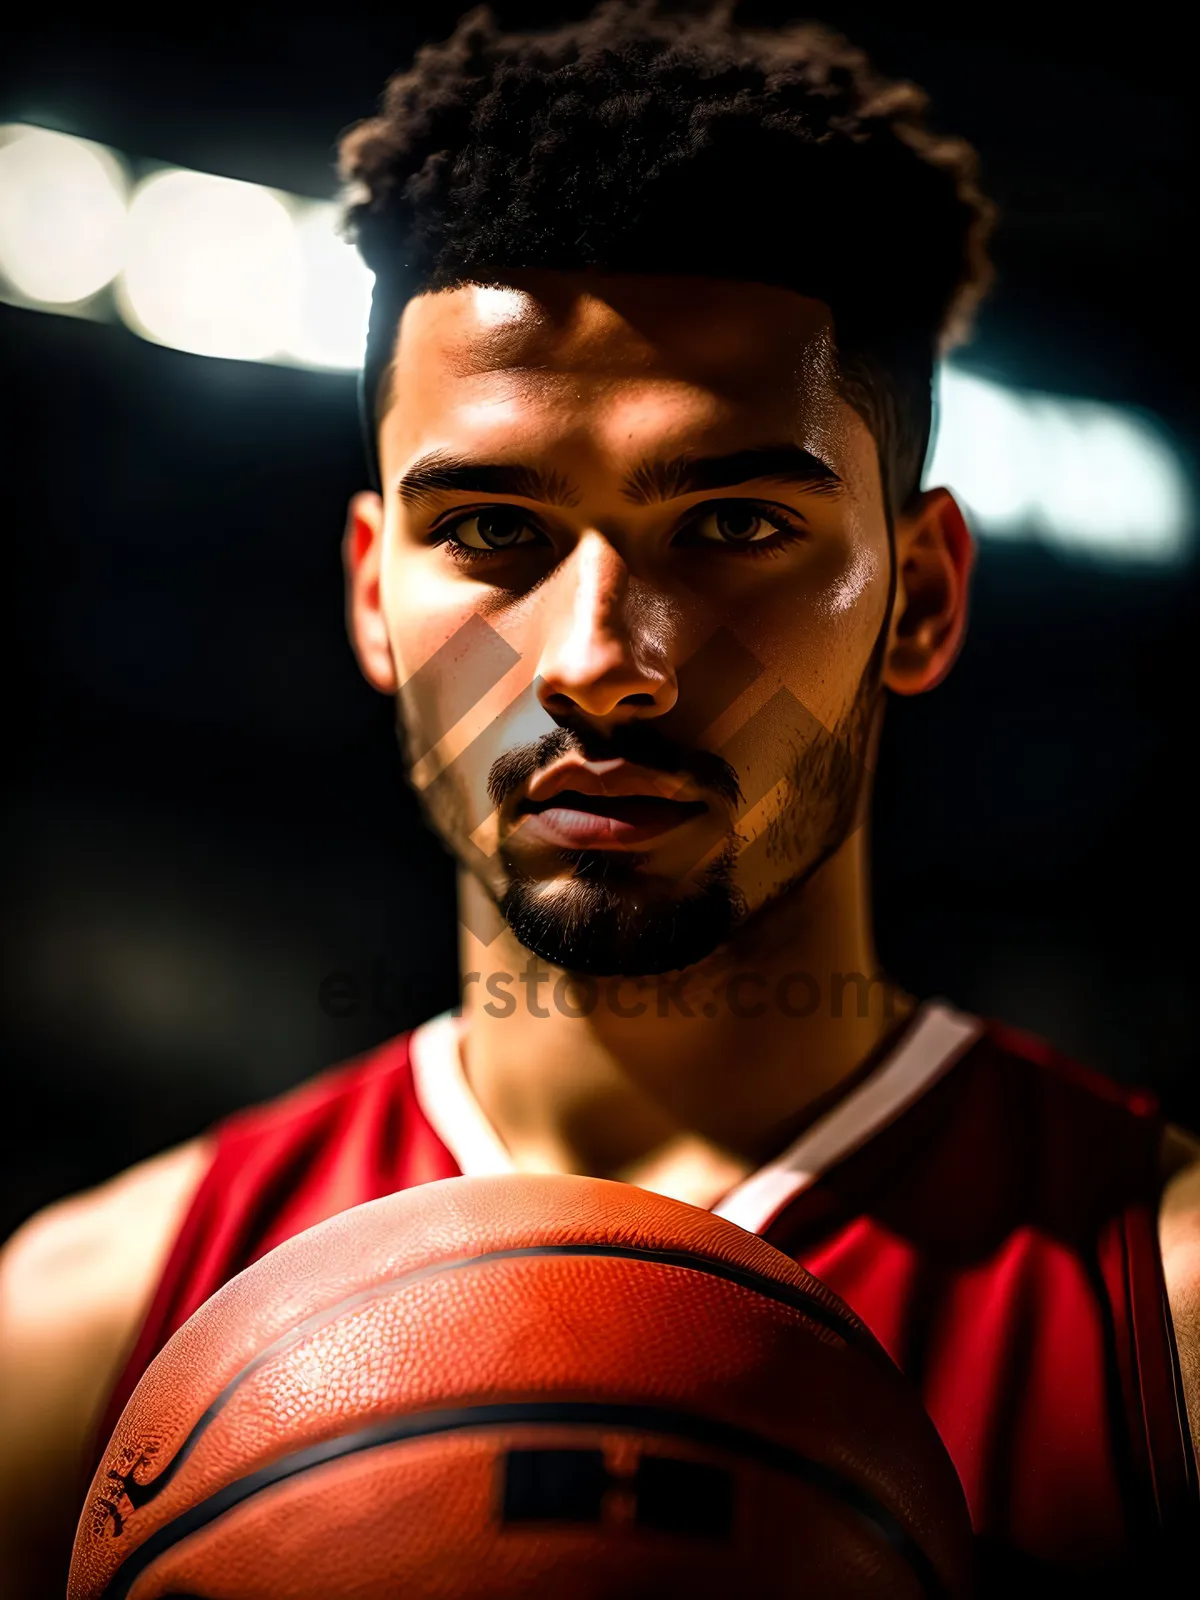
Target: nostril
{"points": [[601, 696]]}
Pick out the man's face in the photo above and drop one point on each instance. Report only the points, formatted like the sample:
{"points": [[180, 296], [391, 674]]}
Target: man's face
{"points": [[632, 571]]}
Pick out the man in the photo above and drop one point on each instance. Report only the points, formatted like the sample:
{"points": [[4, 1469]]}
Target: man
{"points": [[657, 306]]}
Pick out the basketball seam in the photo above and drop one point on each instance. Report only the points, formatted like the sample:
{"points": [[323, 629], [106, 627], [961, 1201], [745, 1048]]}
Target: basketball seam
{"points": [[641, 1418], [141, 1494]]}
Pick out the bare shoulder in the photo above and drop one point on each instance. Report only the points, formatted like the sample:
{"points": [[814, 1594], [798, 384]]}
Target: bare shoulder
{"points": [[1179, 1207], [1179, 1240], [1180, 1149], [74, 1284], [76, 1277], [95, 1246]]}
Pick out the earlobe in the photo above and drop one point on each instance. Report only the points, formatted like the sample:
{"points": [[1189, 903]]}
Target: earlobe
{"points": [[362, 560], [934, 557]]}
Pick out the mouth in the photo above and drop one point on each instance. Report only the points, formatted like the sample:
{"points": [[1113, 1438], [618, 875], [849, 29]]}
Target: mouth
{"points": [[572, 819]]}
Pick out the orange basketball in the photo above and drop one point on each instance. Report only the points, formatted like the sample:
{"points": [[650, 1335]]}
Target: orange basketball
{"points": [[522, 1386]]}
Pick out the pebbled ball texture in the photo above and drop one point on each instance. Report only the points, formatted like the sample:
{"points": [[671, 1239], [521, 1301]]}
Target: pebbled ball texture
{"points": [[535, 1385]]}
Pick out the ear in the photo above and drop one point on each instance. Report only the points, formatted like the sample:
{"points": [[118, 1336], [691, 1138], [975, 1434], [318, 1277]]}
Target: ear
{"points": [[934, 557], [362, 559]]}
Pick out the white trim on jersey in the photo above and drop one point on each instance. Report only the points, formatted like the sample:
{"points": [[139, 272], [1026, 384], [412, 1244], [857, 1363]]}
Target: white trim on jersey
{"points": [[445, 1097], [934, 1040]]}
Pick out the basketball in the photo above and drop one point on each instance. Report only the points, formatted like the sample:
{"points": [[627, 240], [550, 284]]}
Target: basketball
{"points": [[540, 1386]]}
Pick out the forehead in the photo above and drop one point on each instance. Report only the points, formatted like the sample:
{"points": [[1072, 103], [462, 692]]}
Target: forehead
{"points": [[655, 355]]}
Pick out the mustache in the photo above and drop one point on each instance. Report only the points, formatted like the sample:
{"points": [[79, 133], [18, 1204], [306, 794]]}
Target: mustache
{"points": [[638, 742]]}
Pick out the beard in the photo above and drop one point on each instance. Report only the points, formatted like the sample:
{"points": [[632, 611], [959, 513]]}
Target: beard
{"points": [[610, 917]]}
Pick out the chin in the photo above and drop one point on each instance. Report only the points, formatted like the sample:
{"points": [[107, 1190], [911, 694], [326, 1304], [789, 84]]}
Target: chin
{"points": [[611, 920]]}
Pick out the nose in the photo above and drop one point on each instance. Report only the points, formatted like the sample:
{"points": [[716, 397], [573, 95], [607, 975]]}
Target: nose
{"points": [[606, 650]]}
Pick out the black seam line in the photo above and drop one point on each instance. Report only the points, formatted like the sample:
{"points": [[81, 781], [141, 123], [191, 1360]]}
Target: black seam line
{"points": [[652, 1419], [140, 1494]]}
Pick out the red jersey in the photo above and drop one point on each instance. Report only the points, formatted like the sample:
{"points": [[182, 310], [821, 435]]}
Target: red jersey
{"points": [[988, 1209]]}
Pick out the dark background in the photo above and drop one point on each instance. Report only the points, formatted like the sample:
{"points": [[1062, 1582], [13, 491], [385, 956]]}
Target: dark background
{"points": [[207, 815]]}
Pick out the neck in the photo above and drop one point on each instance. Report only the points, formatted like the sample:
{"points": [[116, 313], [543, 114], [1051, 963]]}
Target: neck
{"points": [[688, 1082]]}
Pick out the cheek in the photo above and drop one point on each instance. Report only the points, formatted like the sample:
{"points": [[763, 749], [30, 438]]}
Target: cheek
{"points": [[440, 642], [466, 673], [814, 637]]}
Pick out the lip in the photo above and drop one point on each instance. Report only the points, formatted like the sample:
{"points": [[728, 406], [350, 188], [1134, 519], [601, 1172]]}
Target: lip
{"points": [[610, 778], [574, 820]]}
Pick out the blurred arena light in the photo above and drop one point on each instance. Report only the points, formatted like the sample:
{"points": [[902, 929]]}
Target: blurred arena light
{"points": [[331, 328], [213, 266], [62, 214], [1087, 477], [195, 262], [224, 268]]}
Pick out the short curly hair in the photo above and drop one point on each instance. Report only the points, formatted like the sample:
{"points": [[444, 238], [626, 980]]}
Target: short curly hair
{"points": [[651, 139]]}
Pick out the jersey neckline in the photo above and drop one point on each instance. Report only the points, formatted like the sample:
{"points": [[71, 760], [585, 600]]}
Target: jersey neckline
{"points": [[936, 1037]]}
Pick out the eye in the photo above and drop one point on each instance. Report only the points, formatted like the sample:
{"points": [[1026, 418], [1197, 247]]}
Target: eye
{"points": [[495, 528], [740, 522]]}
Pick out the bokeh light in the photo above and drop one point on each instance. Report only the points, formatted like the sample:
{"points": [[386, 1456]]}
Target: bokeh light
{"points": [[224, 268], [980, 450], [62, 215], [213, 266], [336, 294], [1110, 481], [1087, 477]]}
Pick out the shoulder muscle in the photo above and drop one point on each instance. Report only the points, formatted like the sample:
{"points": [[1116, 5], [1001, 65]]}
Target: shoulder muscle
{"points": [[1179, 1239], [74, 1284]]}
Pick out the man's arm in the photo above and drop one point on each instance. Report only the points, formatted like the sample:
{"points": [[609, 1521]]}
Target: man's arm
{"points": [[1179, 1238], [75, 1282]]}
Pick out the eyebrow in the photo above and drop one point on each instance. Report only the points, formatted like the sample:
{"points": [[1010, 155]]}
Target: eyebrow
{"points": [[655, 479], [442, 472], [668, 478]]}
